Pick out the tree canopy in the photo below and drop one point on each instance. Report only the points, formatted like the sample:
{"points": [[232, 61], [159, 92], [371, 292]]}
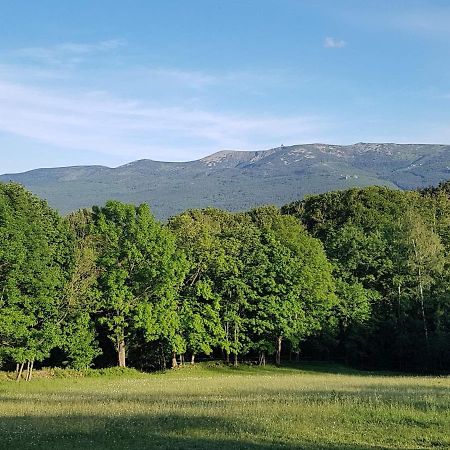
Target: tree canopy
{"points": [[361, 275]]}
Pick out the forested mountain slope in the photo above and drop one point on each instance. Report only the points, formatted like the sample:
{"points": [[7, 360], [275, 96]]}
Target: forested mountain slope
{"points": [[240, 180]]}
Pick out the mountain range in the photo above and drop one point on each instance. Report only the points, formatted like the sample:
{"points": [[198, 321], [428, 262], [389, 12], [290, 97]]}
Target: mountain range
{"points": [[238, 180]]}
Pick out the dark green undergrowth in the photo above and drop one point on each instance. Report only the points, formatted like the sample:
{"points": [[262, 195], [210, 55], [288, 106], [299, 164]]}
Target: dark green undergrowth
{"points": [[56, 372], [205, 368]]}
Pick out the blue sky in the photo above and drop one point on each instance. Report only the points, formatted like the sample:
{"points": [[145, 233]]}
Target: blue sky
{"points": [[107, 82]]}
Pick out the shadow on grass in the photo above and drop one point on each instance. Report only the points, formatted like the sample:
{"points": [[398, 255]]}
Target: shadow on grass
{"points": [[271, 369], [145, 432], [205, 369], [323, 367], [311, 367]]}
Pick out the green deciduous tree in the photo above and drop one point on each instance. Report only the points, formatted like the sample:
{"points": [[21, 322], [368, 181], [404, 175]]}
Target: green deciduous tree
{"points": [[140, 274], [36, 260], [79, 336], [296, 291]]}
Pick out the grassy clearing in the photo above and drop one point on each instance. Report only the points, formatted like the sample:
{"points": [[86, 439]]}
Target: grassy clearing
{"points": [[212, 407]]}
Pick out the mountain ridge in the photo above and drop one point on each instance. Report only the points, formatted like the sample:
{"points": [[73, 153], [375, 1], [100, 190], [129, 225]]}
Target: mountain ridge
{"points": [[237, 180]]}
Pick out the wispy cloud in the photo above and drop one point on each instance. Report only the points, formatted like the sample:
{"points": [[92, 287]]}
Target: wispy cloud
{"points": [[434, 21], [331, 42], [197, 79], [117, 126], [418, 18], [67, 53], [189, 78], [39, 101]]}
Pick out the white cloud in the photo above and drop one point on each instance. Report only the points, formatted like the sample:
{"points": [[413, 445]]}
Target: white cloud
{"points": [[39, 102], [427, 20], [126, 127], [197, 79], [67, 53], [331, 42], [431, 21], [193, 79]]}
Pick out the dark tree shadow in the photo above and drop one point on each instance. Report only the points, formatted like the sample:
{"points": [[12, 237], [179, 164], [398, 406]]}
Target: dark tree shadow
{"points": [[171, 432]]}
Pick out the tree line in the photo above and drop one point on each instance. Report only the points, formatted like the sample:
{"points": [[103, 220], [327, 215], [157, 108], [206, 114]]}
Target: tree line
{"points": [[360, 276]]}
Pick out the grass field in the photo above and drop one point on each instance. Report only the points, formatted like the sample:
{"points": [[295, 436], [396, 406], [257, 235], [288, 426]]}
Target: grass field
{"points": [[213, 407]]}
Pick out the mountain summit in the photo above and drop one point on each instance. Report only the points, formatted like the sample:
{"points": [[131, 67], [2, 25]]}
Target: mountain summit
{"points": [[237, 180]]}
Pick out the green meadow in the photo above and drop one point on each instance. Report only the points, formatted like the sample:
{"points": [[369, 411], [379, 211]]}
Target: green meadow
{"points": [[211, 406]]}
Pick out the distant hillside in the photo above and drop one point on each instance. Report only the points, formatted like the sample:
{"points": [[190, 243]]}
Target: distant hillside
{"points": [[240, 180]]}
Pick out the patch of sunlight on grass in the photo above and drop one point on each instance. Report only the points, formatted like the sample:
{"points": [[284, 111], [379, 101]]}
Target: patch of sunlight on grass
{"points": [[217, 407]]}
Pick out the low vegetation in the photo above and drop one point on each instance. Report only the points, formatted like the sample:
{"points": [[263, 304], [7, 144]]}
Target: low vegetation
{"points": [[221, 407]]}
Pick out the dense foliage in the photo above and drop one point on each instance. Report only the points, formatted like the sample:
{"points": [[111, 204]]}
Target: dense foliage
{"points": [[36, 261], [360, 275], [390, 252]]}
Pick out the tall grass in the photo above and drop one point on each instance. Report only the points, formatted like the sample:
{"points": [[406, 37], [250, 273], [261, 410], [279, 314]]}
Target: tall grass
{"points": [[216, 407]]}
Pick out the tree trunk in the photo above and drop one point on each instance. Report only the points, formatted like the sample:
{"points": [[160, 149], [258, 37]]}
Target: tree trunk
{"points": [[174, 361], [193, 358], [422, 306], [235, 344], [30, 370], [121, 352], [163, 357], [19, 374], [227, 334], [262, 359], [278, 355]]}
